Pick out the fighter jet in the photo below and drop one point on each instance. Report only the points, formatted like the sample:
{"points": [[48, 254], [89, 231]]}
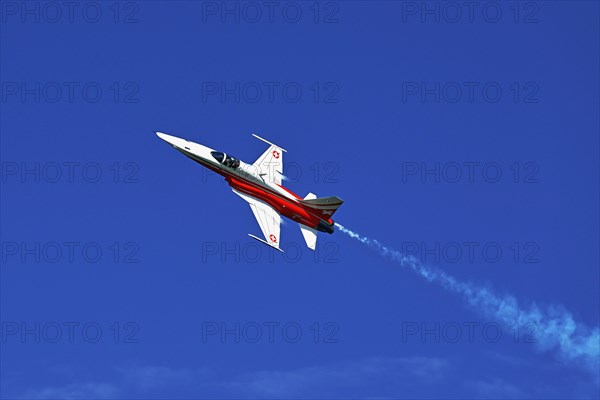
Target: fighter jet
{"points": [[259, 184]]}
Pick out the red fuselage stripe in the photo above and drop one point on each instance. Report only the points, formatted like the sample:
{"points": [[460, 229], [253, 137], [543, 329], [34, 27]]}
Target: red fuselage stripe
{"points": [[284, 205]]}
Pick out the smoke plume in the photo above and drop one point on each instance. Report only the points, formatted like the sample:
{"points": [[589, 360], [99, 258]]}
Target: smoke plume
{"points": [[556, 330]]}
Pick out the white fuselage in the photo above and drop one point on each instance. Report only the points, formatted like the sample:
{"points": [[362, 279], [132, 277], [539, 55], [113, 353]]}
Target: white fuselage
{"points": [[246, 172]]}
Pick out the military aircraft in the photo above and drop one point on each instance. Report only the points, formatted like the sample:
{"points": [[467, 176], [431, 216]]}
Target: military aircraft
{"points": [[260, 185]]}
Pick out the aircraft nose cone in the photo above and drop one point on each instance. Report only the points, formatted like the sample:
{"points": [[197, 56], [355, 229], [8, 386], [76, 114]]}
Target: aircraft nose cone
{"points": [[165, 137], [172, 140]]}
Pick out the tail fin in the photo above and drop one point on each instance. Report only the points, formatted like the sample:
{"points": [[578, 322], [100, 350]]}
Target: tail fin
{"points": [[323, 207], [310, 236]]}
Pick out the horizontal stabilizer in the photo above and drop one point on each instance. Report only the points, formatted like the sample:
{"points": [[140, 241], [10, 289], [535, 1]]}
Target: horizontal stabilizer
{"points": [[324, 207]]}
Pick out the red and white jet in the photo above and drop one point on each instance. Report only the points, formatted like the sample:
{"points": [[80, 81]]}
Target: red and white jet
{"points": [[260, 185]]}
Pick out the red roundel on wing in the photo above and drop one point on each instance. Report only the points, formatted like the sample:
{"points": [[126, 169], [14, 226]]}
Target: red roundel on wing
{"points": [[275, 154], [273, 238]]}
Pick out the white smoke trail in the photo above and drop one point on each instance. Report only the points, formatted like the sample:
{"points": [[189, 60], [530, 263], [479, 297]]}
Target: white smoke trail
{"points": [[573, 342]]}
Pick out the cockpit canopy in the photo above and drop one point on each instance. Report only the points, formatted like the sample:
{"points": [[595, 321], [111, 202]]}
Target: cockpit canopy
{"points": [[225, 159]]}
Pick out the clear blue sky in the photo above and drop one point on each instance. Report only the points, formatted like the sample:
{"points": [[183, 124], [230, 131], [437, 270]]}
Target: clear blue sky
{"points": [[386, 92]]}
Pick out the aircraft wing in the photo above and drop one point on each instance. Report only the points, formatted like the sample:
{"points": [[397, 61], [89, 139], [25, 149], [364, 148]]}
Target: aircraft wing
{"points": [[268, 219], [270, 163]]}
